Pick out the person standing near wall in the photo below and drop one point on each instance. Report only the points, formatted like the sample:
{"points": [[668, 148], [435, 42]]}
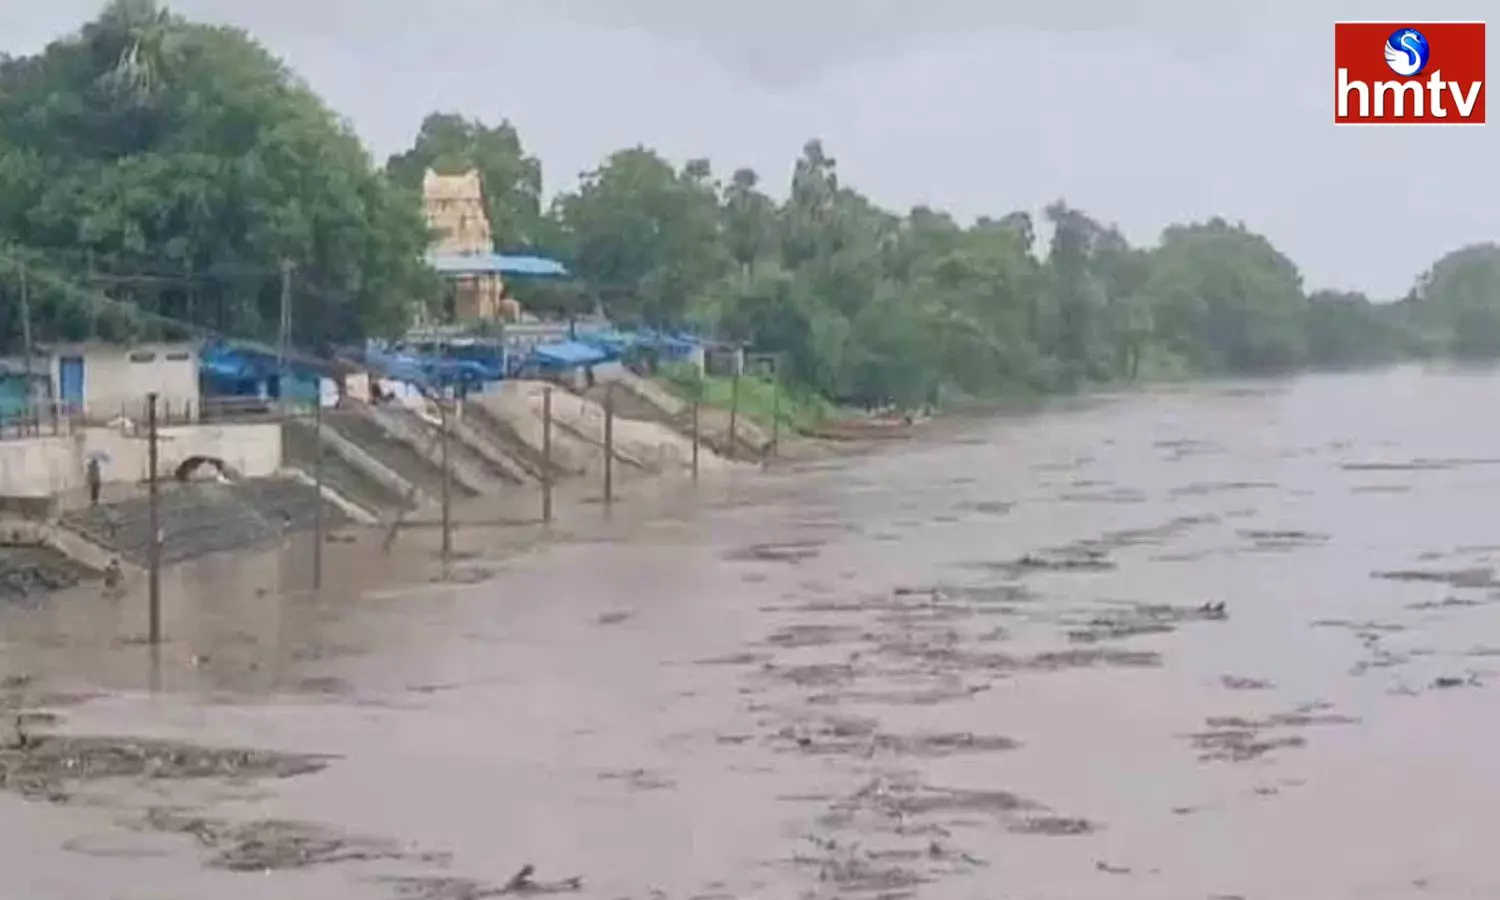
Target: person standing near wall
{"points": [[95, 479]]}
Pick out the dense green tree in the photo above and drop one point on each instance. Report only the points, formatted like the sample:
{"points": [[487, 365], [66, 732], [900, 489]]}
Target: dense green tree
{"points": [[184, 160], [645, 234], [1346, 329], [1457, 301], [1226, 299]]}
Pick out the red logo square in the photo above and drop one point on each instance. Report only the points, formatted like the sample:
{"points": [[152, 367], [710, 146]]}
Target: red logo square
{"points": [[1417, 73]]}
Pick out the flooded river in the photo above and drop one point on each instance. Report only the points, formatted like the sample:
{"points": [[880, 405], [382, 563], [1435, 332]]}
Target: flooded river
{"points": [[1226, 641]]}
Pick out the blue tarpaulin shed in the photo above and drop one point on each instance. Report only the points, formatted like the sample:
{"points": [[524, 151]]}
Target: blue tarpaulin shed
{"points": [[496, 264], [568, 354]]}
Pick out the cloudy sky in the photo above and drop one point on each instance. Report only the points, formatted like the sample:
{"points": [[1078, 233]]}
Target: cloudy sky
{"points": [[1143, 112]]}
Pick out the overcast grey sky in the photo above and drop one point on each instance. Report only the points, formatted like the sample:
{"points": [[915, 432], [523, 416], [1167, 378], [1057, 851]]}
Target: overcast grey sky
{"points": [[1142, 112]]}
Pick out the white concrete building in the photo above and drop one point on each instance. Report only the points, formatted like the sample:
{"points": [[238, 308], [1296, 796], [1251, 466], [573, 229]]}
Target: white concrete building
{"points": [[104, 381]]}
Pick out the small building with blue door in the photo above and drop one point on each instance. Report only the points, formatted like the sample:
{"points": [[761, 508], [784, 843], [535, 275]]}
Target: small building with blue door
{"points": [[102, 381]]}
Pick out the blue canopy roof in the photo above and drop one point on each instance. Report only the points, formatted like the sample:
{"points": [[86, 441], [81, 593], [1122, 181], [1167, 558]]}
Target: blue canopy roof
{"points": [[568, 353], [496, 263]]}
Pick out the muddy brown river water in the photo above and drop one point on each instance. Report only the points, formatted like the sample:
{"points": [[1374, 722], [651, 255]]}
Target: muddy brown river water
{"points": [[1238, 640]]}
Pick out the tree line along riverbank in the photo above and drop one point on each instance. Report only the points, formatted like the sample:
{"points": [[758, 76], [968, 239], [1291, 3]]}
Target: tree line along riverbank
{"points": [[155, 173]]}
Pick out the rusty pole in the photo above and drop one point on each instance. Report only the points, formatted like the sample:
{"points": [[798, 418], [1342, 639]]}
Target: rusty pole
{"points": [[697, 437]]}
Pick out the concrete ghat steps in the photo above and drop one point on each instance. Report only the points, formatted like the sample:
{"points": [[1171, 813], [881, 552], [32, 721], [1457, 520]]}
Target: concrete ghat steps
{"points": [[302, 450], [483, 421], [403, 425], [201, 519], [390, 451], [471, 451]]}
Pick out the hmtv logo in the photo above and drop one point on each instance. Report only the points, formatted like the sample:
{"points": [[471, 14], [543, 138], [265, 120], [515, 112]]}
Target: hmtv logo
{"points": [[1390, 73]]}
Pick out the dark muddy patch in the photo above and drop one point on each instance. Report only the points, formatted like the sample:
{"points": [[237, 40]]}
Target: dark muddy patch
{"points": [[778, 552], [889, 873], [30, 573], [897, 798], [1240, 683], [796, 636], [1113, 495], [986, 507], [1287, 539], [46, 766], [1477, 577], [1240, 744], [861, 875], [1092, 658], [1153, 535], [1448, 682], [640, 779], [928, 696], [1067, 465], [17, 695], [1143, 619], [991, 594], [1239, 739], [322, 686], [862, 737], [1381, 489], [821, 675], [1052, 826], [1364, 628], [1412, 466], [1420, 465], [1206, 488], [1066, 559], [734, 659], [937, 612], [1101, 629], [1448, 603], [277, 845], [438, 887], [945, 652]]}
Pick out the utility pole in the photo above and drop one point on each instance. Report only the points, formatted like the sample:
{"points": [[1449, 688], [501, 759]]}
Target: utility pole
{"points": [[775, 447], [153, 522], [26, 346], [697, 434], [547, 456], [609, 443], [284, 341], [734, 409], [447, 483], [318, 525]]}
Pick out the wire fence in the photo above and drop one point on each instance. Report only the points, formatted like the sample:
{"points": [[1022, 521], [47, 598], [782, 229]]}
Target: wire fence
{"points": [[59, 418]]}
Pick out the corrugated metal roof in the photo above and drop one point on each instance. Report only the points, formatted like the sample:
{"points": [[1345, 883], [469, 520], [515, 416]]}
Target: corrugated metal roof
{"points": [[497, 263]]}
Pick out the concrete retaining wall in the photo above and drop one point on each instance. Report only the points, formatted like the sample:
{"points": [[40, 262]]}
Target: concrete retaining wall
{"points": [[50, 466]]}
